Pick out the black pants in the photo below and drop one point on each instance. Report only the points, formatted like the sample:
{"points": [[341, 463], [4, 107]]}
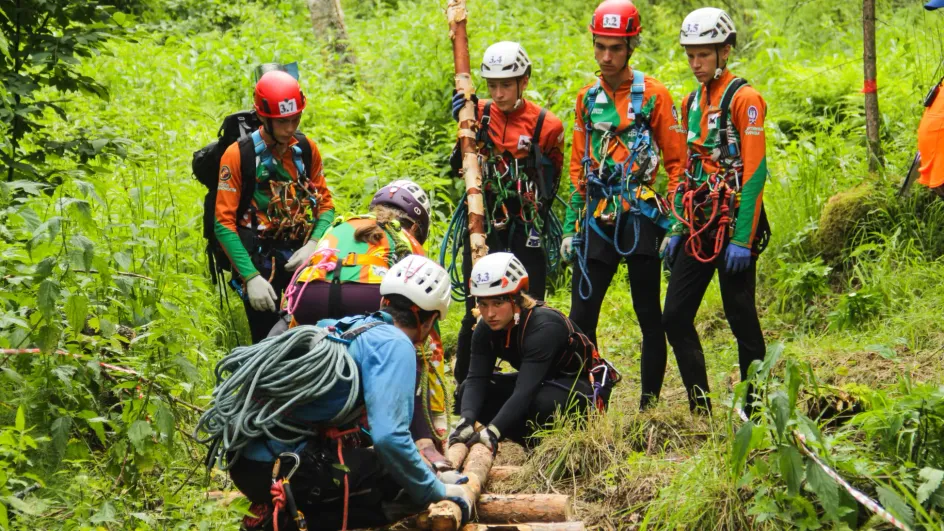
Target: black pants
{"points": [[645, 276], [261, 322], [687, 286], [553, 395], [318, 488], [514, 240]]}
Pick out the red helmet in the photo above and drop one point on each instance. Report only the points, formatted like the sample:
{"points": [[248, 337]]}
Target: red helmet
{"points": [[616, 18], [278, 95]]}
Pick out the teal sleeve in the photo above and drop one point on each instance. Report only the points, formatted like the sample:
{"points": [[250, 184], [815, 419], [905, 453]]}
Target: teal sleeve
{"points": [[676, 229], [234, 249], [573, 207], [750, 206], [322, 225]]}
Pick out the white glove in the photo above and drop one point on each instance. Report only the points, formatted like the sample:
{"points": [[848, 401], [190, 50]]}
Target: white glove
{"points": [[567, 248], [301, 255], [458, 495], [261, 295]]}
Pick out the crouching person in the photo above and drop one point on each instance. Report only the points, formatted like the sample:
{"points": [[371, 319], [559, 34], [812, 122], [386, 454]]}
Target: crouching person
{"points": [[558, 368], [295, 418]]}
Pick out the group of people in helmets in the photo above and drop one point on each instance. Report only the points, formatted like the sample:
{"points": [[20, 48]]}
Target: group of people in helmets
{"points": [[705, 215]]}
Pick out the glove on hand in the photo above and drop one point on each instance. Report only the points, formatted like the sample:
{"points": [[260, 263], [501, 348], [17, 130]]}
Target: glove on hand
{"points": [[301, 256], [462, 433], [671, 250], [261, 295], [737, 258], [458, 495], [458, 101], [567, 248], [489, 437]]}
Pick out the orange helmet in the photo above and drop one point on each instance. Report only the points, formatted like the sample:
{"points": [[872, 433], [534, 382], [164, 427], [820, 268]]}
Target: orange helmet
{"points": [[616, 18], [278, 95]]}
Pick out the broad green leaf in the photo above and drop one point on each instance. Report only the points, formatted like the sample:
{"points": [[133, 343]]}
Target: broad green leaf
{"points": [[884, 351], [77, 311], [825, 488], [4, 517], [48, 296], [780, 409], [123, 260], [932, 481], [87, 248], [61, 427], [164, 418], [105, 514], [45, 267], [895, 505], [20, 422], [742, 445], [793, 380], [791, 467], [97, 425], [138, 434], [47, 338]]}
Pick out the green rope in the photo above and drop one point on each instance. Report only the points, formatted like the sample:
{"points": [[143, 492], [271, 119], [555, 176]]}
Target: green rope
{"points": [[424, 389], [265, 381]]}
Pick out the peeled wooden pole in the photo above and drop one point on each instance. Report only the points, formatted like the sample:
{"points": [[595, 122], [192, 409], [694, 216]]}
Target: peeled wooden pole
{"points": [[468, 125], [514, 508], [446, 515], [500, 473]]}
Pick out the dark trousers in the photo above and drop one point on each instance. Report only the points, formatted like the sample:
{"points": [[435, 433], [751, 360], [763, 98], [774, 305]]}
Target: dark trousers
{"points": [[318, 488], [514, 240], [645, 276], [687, 285], [553, 395]]}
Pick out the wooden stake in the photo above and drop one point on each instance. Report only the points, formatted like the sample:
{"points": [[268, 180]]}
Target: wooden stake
{"points": [[468, 125]]}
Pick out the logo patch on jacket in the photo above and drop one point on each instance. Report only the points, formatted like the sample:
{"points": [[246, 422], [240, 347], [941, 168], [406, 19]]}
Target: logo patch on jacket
{"points": [[752, 115], [713, 121], [524, 142], [225, 173]]}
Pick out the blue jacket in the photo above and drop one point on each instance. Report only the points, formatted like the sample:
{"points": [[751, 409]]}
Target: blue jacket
{"points": [[386, 361]]}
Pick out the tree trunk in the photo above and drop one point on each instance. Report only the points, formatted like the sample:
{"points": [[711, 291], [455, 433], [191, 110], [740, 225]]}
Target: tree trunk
{"points": [[327, 20], [468, 125], [876, 158]]}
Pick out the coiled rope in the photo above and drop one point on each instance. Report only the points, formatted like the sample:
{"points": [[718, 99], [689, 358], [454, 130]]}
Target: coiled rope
{"points": [[258, 386]]}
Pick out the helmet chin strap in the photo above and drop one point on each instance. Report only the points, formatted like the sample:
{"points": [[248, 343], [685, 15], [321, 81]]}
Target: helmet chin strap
{"points": [[720, 69]]}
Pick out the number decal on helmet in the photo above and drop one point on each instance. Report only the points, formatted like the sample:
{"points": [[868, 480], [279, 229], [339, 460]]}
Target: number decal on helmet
{"points": [[287, 106], [611, 21]]}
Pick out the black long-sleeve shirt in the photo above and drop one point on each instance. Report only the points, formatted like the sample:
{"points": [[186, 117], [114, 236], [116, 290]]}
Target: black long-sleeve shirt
{"points": [[536, 356]]}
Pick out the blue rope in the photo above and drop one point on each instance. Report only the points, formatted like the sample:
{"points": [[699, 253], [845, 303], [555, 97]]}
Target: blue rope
{"points": [[452, 243]]}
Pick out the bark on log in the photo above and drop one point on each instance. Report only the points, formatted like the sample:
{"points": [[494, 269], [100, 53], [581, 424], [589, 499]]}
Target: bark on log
{"points": [[876, 159], [500, 473], [514, 508], [446, 515], [468, 125], [558, 526], [456, 455], [327, 20]]}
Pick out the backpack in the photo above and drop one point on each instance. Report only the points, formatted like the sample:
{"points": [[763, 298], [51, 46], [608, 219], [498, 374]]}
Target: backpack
{"points": [[237, 127]]}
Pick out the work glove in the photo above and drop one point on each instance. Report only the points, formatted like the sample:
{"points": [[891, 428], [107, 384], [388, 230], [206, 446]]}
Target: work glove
{"points": [[458, 101], [489, 437], [453, 477], [671, 250], [463, 432], [567, 248], [301, 256], [261, 295], [737, 258], [458, 495]]}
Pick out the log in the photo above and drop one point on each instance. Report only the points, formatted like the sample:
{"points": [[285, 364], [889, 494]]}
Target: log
{"points": [[500, 473], [456, 455], [446, 515], [468, 125], [513, 508], [558, 526]]}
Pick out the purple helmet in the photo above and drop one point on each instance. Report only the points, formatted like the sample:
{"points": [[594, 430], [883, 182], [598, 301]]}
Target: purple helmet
{"points": [[410, 198]]}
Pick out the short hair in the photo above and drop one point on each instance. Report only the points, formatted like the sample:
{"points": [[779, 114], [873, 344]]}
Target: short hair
{"points": [[404, 312]]}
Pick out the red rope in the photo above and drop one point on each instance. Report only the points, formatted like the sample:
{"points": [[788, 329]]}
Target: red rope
{"points": [[337, 435], [278, 501]]}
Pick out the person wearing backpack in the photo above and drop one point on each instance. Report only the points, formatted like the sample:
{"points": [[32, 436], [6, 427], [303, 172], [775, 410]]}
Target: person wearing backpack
{"points": [[557, 365], [338, 481], [521, 159], [272, 205], [343, 277], [623, 123], [720, 224]]}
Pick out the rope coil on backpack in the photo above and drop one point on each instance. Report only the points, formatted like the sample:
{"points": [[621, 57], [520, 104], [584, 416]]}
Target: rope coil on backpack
{"points": [[258, 386]]}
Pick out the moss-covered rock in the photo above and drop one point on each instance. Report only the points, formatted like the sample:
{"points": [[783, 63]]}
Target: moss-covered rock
{"points": [[841, 215]]}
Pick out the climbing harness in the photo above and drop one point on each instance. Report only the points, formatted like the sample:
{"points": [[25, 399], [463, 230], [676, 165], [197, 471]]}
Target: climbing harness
{"points": [[285, 208], [259, 386], [581, 356], [530, 182], [613, 188], [710, 202]]}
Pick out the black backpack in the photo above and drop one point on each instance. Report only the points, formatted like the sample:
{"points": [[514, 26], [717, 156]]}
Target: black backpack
{"points": [[237, 127]]}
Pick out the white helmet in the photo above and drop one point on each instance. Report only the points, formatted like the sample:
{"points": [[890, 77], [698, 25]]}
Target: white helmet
{"points": [[498, 274], [420, 280], [416, 191], [504, 60], [708, 25]]}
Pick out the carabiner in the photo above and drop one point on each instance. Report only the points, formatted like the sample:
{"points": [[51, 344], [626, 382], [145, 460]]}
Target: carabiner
{"points": [[298, 463]]}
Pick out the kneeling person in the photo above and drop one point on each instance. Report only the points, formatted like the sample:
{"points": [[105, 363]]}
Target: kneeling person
{"points": [[556, 362], [337, 480]]}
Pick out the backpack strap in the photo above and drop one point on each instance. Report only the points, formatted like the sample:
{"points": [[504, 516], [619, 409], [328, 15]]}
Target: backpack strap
{"points": [[247, 166], [536, 139], [351, 335], [726, 99], [591, 100], [303, 161], [482, 134], [638, 91], [689, 101]]}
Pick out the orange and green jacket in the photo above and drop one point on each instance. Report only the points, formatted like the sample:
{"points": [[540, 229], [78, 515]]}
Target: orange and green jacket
{"points": [[284, 183], [931, 142], [513, 132], [747, 114], [665, 131]]}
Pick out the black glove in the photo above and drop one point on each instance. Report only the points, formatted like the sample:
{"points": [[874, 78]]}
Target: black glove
{"points": [[463, 432], [458, 101], [489, 437]]}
